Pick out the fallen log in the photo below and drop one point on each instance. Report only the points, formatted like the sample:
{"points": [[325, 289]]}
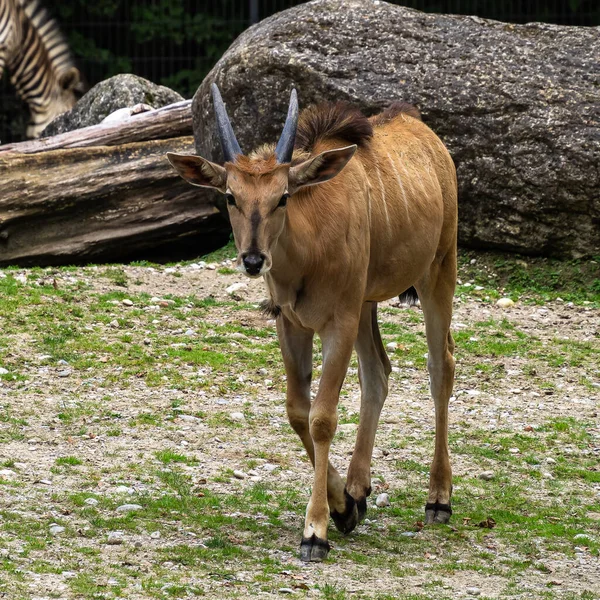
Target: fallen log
{"points": [[79, 205], [174, 120]]}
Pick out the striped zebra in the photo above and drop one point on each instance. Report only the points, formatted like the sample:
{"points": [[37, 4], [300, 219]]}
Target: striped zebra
{"points": [[35, 53]]}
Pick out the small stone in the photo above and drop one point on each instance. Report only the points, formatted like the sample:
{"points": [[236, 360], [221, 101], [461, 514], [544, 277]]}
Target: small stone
{"points": [[155, 535], [114, 323], [550, 460], [237, 416], [473, 591], [581, 536], [514, 450], [56, 529], [45, 482], [124, 489], [7, 474], [125, 508], [190, 332], [504, 303], [392, 346], [170, 270], [65, 373], [189, 418], [91, 501], [408, 534], [547, 475], [115, 538], [62, 361], [286, 591], [236, 287], [212, 266], [486, 475], [127, 302], [239, 475], [382, 501], [3, 371], [269, 468]]}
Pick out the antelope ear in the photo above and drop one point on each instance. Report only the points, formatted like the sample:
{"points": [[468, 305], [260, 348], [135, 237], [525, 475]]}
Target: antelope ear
{"points": [[199, 171], [323, 167]]}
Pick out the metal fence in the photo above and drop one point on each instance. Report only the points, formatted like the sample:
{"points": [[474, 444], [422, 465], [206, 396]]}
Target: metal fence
{"points": [[176, 42]]}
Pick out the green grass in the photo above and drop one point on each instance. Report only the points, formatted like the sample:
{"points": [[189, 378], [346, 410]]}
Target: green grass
{"points": [[123, 418]]}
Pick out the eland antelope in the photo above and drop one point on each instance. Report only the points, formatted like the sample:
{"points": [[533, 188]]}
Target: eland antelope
{"points": [[345, 212]]}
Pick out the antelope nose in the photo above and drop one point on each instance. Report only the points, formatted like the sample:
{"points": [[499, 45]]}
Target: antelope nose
{"points": [[253, 263]]}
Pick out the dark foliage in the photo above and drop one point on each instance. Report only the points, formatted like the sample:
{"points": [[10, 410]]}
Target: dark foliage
{"points": [[176, 42]]}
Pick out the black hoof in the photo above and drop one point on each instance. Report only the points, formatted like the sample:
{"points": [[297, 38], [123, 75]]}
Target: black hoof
{"points": [[348, 520], [314, 549], [437, 513]]}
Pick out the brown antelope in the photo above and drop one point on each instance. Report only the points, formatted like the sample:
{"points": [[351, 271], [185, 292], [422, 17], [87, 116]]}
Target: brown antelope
{"points": [[343, 213]]}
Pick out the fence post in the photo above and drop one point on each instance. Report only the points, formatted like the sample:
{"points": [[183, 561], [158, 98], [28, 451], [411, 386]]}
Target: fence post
{"points": [[253, 11]]}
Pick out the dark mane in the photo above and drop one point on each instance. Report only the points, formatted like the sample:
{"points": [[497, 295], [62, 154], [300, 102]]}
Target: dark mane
{"points": [[393, 110], [327, 121]]}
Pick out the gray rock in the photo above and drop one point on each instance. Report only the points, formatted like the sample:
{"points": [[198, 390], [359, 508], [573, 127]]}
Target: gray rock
{"points": [[517, 105], [108, 96], [56, 529], [473, 591], [486, 475], [125, 508], [382, 501], [115, 538]]}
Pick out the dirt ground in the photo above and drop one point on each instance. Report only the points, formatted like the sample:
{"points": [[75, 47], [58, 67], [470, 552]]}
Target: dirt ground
{"points": [[519, 399]]}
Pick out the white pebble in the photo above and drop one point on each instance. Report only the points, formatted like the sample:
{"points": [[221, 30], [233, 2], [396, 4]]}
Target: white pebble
{"points": [[127, 302], [504, 303], [473, 591], [7, 474], [239, 475], [486, 475], [125, 508], [237, 416], [382, 500], [236, 287], [391, 346], [56, 529], [155, 535], [114, 323], [115, 538], [91, 501]]}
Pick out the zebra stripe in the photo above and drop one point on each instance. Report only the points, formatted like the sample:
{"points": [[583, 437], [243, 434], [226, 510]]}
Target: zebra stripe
{"points": [[34, 51]]}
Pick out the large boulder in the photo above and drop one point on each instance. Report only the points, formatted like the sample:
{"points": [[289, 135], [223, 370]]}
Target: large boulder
{"points": [[108, 96], [517, 105]]}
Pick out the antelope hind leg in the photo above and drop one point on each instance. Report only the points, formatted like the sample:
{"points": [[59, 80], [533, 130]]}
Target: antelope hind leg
{"points": [[436, 301]]}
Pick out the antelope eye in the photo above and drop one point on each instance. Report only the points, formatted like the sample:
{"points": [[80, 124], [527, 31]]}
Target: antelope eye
{"points": [[283, 200], [230, 199]]}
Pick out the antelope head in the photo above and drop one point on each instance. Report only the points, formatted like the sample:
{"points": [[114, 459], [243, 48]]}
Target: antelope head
{"points": [[257, 187]]}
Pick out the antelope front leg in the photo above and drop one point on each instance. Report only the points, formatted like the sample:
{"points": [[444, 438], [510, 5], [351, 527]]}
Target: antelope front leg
{"points": [[338, 340]]}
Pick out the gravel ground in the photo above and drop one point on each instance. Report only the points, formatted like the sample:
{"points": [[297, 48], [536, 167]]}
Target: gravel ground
{"points": [[519, 399]]}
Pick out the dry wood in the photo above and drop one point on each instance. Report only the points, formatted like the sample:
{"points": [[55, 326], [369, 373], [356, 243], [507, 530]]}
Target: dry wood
{"points": [[170, 121], [84, 204]]}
